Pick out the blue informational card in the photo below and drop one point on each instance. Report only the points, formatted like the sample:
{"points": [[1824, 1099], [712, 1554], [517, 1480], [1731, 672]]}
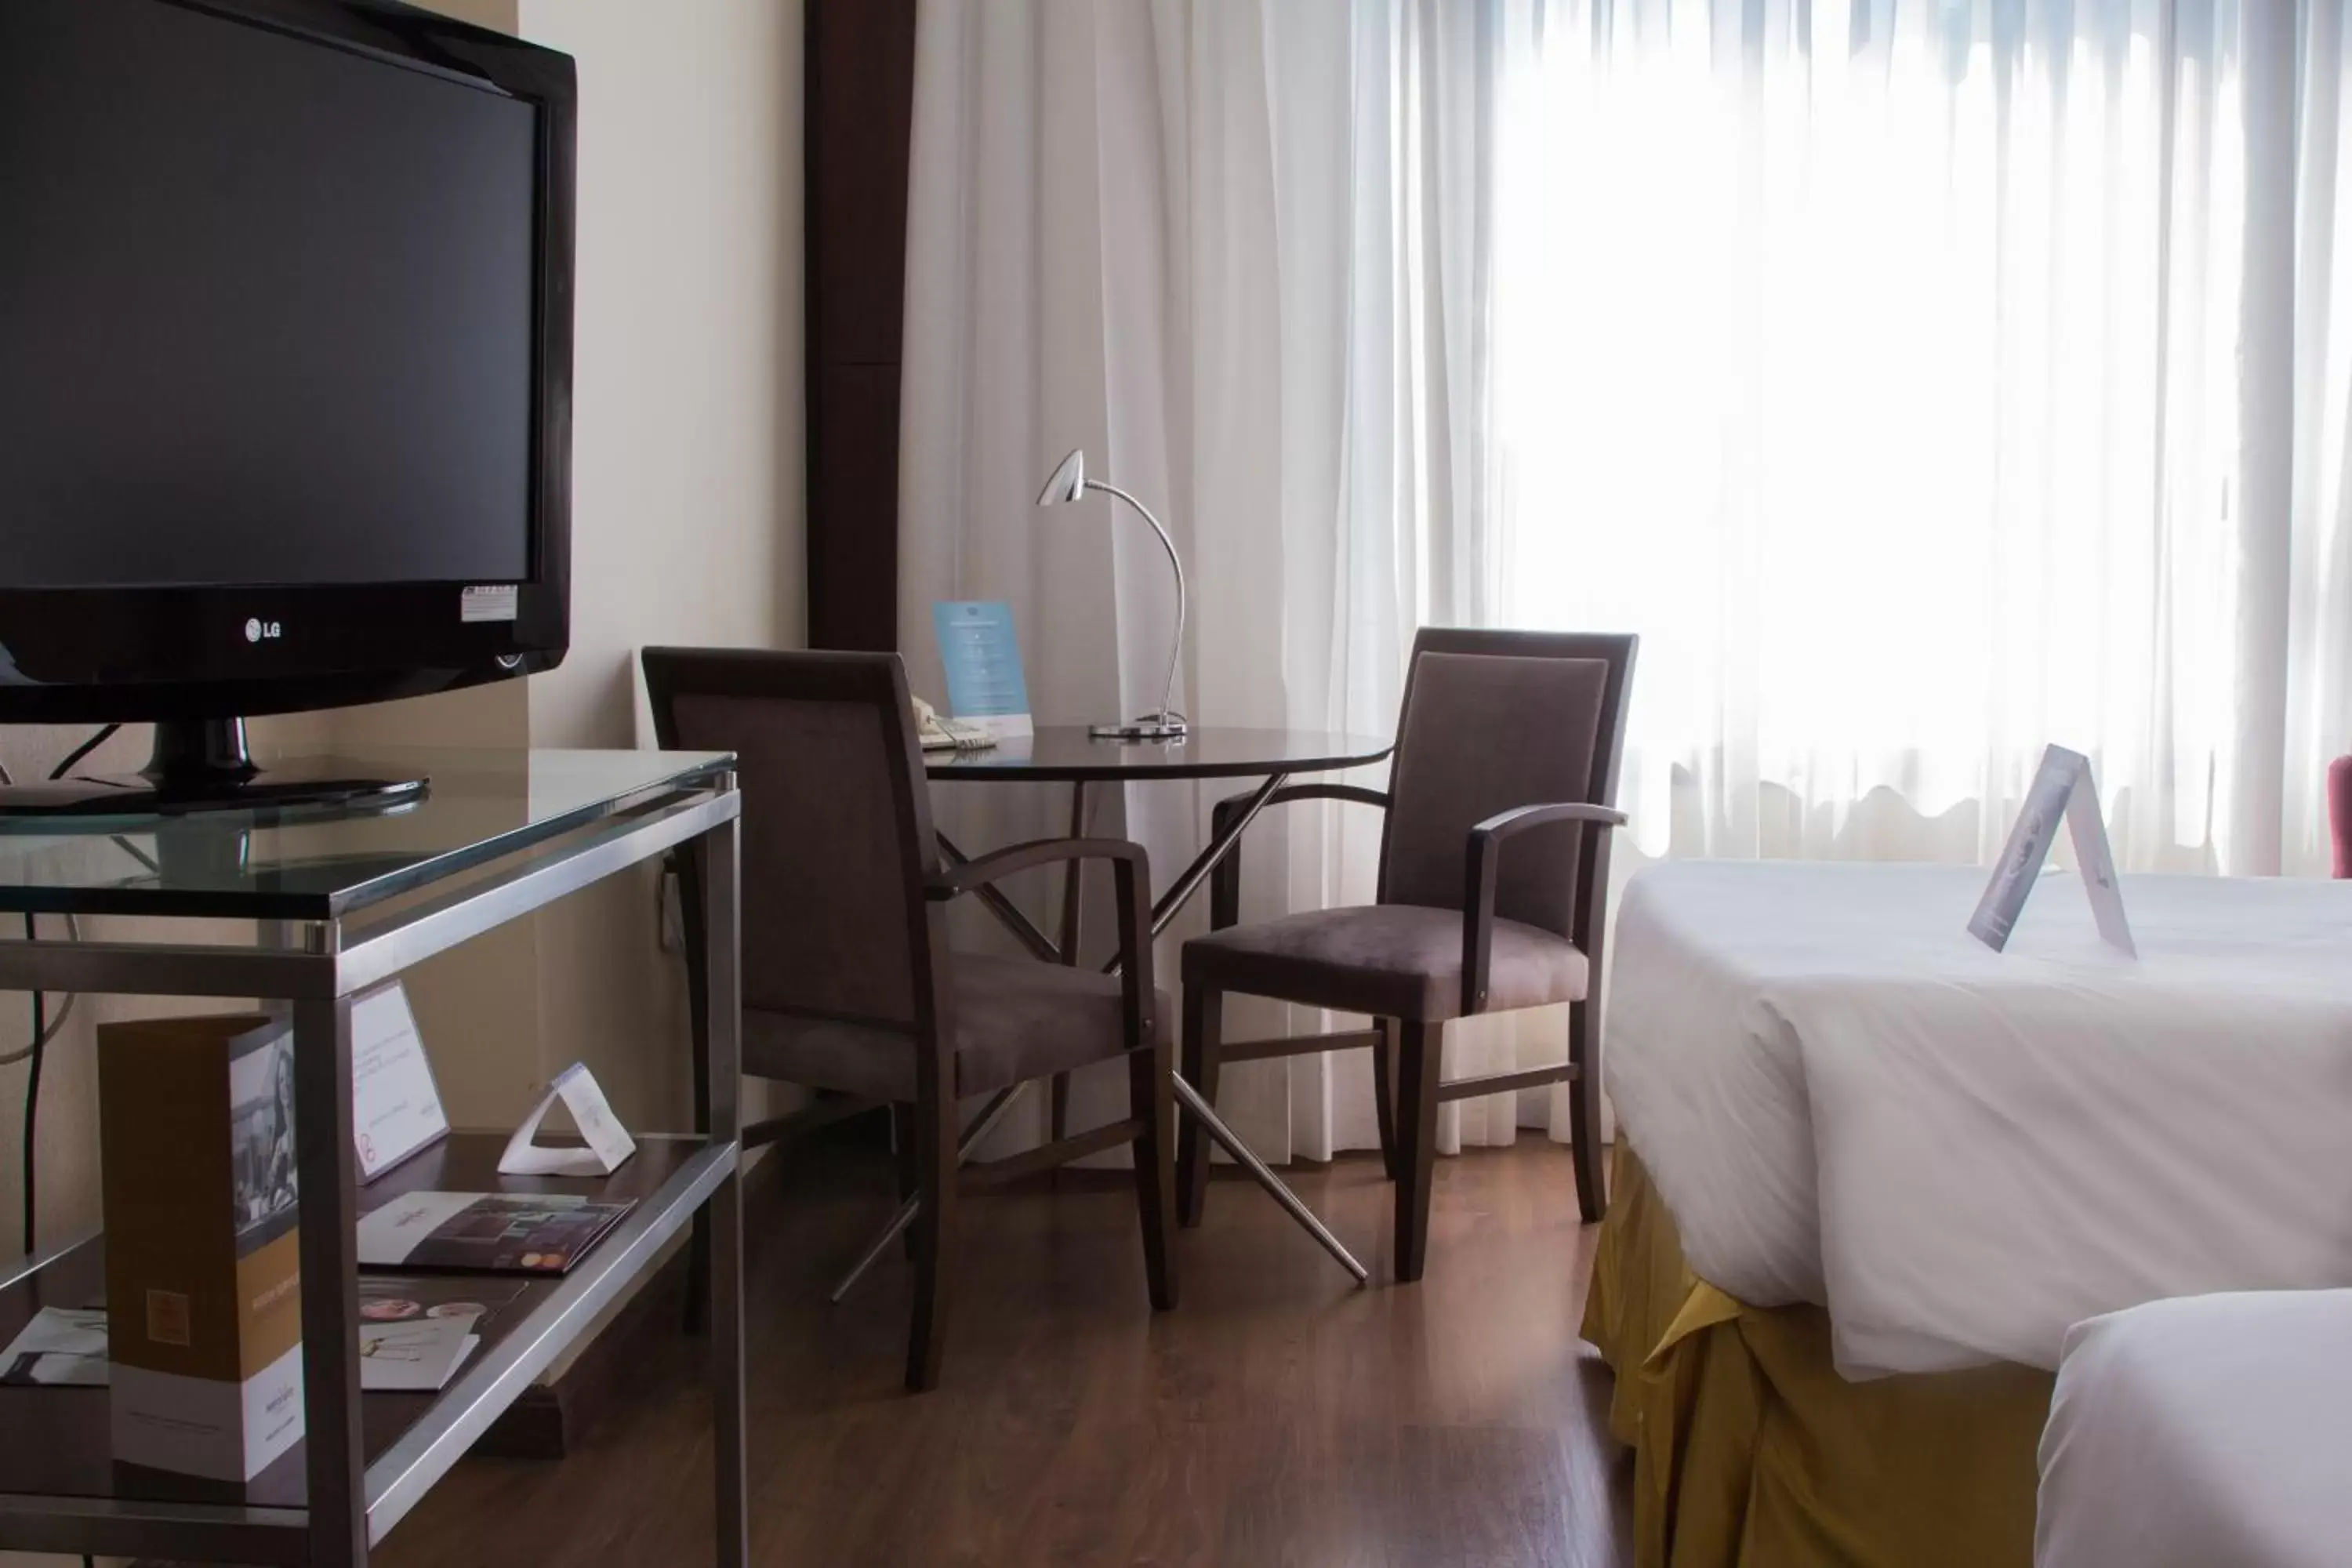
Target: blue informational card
{"points": [[983, 659]]}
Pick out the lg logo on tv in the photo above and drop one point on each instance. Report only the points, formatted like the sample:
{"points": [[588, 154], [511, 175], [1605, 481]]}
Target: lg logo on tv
{"points": [[264, 631]]}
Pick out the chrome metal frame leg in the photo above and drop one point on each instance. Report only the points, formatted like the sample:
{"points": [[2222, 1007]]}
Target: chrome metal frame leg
{"points": [[327, 1222], [1293, 1205], [718, 851]]}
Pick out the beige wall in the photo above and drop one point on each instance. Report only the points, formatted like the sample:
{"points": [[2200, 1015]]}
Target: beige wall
{"points": [[497, 14], [686, 437], [687, 466]]}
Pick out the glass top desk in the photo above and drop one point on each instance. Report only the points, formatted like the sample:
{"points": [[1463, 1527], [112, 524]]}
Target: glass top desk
{"points": [[319, 906]]}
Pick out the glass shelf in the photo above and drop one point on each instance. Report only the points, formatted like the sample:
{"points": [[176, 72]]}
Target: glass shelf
{"points": [[319, 865]]}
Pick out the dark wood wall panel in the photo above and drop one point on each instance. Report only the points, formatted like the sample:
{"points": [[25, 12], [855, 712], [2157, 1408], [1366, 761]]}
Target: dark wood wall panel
{"points": [[860, 111], [853, 559]]}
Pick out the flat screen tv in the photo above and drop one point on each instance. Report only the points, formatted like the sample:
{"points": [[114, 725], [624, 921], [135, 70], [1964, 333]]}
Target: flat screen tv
{"points": [[285, 371]]}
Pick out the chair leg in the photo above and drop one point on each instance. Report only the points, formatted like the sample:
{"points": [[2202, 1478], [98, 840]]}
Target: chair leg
{"points": [[1152, 1102], [1585, 1114], [1384, 1067], [902, 1149], [935, 1165], [1420, 1052], [1203, 1027]]}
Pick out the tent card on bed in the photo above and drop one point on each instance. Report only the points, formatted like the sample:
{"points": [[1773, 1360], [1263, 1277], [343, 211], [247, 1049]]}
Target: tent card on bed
{"points": [[2062, 786]]}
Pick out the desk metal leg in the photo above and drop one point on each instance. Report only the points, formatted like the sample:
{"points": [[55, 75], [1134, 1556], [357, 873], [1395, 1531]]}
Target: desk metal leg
{"points": [[1188, 881], [722, 1067], [1293, 1205], [327, 1222], [1164, 913], [990, 1115], [1164, 910]]}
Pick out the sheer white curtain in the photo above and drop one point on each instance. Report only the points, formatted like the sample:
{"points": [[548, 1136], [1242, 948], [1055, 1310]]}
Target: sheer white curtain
{"points": [[1238, 250], [1092, 262], [1928, 383], [1925, 380]]}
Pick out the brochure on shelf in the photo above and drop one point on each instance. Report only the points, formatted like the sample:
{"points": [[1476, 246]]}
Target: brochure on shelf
{"points": [[419, 1356], [485, 1233], [198, 1183]]}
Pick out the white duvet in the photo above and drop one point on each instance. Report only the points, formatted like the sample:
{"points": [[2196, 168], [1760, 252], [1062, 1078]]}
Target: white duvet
{"points": [[2215, 1429], [1846, 1098]]}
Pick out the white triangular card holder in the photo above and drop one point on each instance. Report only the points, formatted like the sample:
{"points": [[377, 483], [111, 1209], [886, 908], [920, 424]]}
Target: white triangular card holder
{"points": [[2063, 787], [608, 1142]]}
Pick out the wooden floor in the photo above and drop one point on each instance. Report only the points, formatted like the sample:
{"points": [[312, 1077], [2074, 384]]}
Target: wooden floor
{"points": [[1278, 1417]]}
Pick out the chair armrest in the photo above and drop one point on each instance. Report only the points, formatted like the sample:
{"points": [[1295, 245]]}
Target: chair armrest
{"points": [[954, 881], [1356, 793], [1484, 856], [1226, 881], [1131, 881], [1503, 824]]}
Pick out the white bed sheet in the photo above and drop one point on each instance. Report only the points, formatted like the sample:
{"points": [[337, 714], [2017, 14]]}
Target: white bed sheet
{"points": [[2212, 1429], [1846, 1098]]}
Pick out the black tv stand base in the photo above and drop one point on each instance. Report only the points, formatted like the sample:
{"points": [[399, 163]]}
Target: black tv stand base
{"points": [[205, 766]]}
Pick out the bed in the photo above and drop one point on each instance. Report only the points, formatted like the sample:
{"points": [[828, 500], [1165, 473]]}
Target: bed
{"points": [[1871, 1173], [2210, 1429]]}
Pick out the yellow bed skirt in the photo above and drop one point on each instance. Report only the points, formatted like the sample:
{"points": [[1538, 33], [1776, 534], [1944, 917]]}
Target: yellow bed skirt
{"points": [[1751, 1452]]}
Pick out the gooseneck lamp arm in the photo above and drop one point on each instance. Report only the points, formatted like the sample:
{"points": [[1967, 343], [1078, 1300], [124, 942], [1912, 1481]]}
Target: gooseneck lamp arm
{"points": [[1069, 482], [1167, 713]]}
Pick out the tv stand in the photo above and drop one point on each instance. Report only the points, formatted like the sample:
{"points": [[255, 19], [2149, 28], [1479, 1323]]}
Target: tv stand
{"points": [[204, 764], [306, 935]]}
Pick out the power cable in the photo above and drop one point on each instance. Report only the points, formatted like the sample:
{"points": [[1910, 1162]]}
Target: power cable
{"points": [[105, 733], [44, 1028]]}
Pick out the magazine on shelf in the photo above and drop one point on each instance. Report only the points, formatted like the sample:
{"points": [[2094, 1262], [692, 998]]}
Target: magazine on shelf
{"points": [[414, 1333], [485, 1233]]}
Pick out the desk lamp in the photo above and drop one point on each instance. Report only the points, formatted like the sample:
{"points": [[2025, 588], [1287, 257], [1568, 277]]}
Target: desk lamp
{"points": [[1070, 482]]}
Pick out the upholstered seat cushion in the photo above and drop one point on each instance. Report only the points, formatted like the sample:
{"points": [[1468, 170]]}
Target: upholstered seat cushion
{"points": [[1391, 961], [1015, 1019]]}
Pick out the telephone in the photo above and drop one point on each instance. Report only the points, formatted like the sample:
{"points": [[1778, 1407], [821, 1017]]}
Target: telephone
{"points": [[938, 734]]}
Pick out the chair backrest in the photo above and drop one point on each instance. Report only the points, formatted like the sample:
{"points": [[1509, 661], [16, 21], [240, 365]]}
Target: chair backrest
{"points": [[837, 829], [1495, 719]]}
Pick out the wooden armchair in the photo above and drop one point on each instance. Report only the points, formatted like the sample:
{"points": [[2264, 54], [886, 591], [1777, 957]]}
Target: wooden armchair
{"points": [[1492, 890], [849, 983]]}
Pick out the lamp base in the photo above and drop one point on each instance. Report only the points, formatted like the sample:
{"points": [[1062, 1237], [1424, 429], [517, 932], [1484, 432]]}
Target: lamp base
{"points": [[1163, 727]]}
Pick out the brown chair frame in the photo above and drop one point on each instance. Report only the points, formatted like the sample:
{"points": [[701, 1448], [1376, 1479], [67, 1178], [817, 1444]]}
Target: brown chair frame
{"points": [[1407, 1065], [931, 1126]]}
